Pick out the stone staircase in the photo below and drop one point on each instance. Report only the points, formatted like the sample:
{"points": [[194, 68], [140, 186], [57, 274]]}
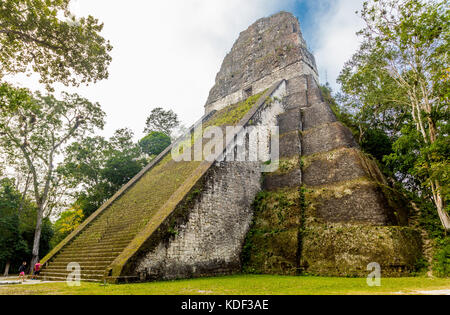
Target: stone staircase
{"points": [[109, 233], [94, 249]]}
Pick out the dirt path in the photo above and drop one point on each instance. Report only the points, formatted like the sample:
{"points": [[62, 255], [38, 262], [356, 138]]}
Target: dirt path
{"points": [[13, 281], [435, 292]]}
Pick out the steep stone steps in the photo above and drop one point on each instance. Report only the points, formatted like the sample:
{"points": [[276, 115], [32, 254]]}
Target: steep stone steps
{"points": [[106, 234], [106, 239], [84, 271], [55, 276], [93, 258], [98, 248], [88, 265], [91, 252], [110, 242], [113, 229]]}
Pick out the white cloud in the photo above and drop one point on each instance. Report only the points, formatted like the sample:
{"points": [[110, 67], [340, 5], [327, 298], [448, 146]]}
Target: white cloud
{"points": [[335, 37], [166, 53]]}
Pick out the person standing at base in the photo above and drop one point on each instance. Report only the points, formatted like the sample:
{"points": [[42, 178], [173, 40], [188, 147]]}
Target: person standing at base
{"points": [[37, 270], [22, 270]]}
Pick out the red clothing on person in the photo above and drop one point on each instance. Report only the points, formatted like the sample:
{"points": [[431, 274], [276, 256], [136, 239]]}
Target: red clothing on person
{"points": [[37, 267]]}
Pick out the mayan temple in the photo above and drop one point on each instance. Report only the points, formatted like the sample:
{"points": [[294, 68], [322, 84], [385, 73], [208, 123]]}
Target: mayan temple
{"points": [[326, 210]]}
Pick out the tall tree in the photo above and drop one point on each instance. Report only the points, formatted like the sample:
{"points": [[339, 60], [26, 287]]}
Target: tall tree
{"points": [[155, 143], [162, 121], [11, 242], [67, 223], [44, 37], [100, 167], [35, 129], [400, 77]]}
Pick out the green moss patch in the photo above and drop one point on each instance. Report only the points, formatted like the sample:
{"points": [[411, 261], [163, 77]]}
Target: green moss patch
{"points": [[338, 190], [346, 250], [365, 193], [271, 246], [327, 156], [272, 253], [232, 115], [277, 210], [287, 165]]}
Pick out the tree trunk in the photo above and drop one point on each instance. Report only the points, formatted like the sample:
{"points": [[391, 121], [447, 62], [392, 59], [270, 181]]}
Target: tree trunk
{"points": [[6, 273], [37, 237], [443, 215], [445, 219]]}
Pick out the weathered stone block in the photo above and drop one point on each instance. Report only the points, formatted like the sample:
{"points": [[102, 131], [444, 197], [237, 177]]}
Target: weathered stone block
{"points": [[326, 138], [299, 84], [360, 201], [277, 181], [316, 115], [345, 251], [289, 121], [290, 144], [272, 253], [267, 48], [209, 239], [334, 167], [277, 210], [314, 93], [296, 100]]}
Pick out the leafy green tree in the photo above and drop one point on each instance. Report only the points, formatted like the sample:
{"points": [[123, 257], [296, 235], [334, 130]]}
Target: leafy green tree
{"points": [[44, 37], [66, 224], [34, 129], [162, 121], [155, 143], [12, 245], [124, 159], [442, 258], [28, 222], [101, 167], [376, 143], [399, 81]]}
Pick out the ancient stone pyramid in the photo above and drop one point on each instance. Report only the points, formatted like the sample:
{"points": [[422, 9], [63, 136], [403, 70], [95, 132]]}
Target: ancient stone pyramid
{"points": [[325, 211]]}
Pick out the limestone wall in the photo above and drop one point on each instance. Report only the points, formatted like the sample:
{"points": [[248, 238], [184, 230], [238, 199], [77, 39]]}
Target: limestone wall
{"points": [[270, 50], [289, 72], [209, 241]]}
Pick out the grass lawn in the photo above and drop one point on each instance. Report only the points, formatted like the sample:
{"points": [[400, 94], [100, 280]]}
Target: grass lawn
{"points": [[241, 285]]}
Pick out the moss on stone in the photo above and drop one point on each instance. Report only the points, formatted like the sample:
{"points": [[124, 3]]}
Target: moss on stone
{"points": [[272, 242], [346, 250], [287, 165], [232, 115], [327, 156], [338, 190], [271, 253], [276, 210]]}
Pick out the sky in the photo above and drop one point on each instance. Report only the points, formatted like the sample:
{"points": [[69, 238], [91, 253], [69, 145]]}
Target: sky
{"points": [[167, 53]]}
